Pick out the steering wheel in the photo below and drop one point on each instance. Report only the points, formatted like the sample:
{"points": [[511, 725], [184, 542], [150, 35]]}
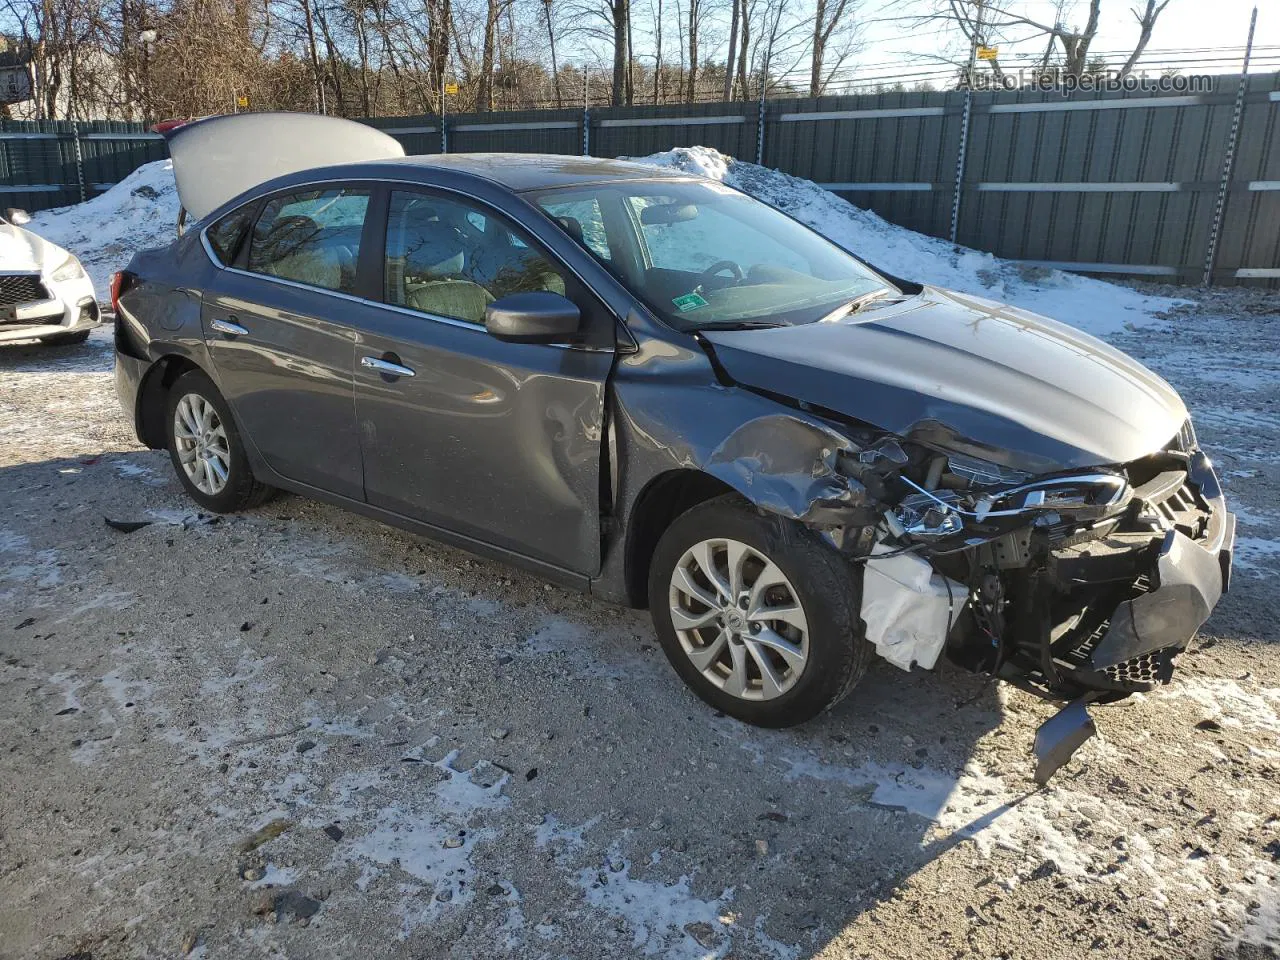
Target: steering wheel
{"points": [[719, 266]]}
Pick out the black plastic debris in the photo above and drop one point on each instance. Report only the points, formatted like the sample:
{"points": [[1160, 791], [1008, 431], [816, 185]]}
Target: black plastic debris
{"points": [[333, 832], [126, 526]]}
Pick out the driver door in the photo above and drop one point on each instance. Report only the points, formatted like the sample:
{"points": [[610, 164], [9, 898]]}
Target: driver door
{"points": [[499, 442]]}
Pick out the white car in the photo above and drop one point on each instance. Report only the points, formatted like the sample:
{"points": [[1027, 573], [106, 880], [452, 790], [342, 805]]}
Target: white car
{"points": [[45, 294]]}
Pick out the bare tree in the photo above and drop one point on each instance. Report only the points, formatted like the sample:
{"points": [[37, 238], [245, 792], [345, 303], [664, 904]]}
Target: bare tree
{"points": [[831, 18], [1146, 23], [621, 16], [695, 18], [657, 58], [736, 6], [551, 45], [984, 22]]}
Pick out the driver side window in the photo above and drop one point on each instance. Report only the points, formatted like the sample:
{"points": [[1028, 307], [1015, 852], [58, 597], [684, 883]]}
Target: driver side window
{"points": [[452, 259]]}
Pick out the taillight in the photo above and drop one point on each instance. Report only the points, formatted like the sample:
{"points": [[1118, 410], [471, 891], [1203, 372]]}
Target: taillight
{"points": [[121, 281]]}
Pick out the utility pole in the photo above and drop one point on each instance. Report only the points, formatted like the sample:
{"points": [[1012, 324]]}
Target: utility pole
{"points": [[764, 89], [964, 120], [1228, 161]]}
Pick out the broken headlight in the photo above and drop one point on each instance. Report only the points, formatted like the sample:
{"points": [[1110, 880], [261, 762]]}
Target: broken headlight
{"points": [[983, 473], [934, 514], [926, 516], [1089, 495]]}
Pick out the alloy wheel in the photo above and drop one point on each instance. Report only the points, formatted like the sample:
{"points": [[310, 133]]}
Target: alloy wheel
{"points": [[201, 441], [739, 619]]}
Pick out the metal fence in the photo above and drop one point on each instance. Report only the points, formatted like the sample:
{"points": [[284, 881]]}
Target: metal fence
{"points": [[1112, 184]]}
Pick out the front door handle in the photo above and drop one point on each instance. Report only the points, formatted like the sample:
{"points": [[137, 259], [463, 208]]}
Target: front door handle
{"points": [[386, 367], [229, 327]]}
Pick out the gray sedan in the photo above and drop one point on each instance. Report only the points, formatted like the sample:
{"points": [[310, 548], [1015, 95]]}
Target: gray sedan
{"points": [[654, 388]]}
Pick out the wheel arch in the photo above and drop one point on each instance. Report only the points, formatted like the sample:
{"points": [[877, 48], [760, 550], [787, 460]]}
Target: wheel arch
{"points": [[160, 376], [665, 497]]}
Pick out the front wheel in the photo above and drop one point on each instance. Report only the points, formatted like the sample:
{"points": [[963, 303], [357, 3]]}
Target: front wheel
{"points": [[756, 613], [206, 450]]}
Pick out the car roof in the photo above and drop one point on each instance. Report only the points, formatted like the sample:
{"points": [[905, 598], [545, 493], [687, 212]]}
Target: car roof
{"points": [[538, 171]]}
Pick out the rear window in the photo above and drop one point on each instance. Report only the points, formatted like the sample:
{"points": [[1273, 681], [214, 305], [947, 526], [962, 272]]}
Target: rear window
{"points": [[226, 235]]}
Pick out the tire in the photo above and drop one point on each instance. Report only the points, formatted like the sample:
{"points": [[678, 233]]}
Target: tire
{"points": [[66, 339], [228, 481], [823, 585]]}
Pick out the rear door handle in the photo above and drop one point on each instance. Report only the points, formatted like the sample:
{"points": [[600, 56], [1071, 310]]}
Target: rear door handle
{"points": [[230, 328], [386, 367]]}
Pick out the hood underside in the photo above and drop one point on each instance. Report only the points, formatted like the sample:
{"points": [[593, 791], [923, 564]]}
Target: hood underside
{"points": [[956, 370]]}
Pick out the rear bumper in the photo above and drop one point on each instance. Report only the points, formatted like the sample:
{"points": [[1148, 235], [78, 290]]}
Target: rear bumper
{"points": [[129, 372]]}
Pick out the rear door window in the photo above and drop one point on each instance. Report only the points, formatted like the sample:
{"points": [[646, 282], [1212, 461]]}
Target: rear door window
{"points": [[311, 237]]}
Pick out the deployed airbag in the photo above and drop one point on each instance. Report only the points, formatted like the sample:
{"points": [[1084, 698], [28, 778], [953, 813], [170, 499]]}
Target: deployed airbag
{"points": [[908, 608]]}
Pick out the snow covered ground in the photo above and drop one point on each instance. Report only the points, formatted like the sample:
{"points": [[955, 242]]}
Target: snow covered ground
{"points": [[142, 211]]}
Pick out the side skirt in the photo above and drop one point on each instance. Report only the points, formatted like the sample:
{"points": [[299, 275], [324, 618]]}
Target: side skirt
{"points": [[558, 575]]}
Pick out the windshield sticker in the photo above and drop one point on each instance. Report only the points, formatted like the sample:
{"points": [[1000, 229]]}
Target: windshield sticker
{"points": [[690, 301]]}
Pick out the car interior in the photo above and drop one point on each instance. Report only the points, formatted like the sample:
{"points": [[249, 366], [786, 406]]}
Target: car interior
{"points": [[448, 260]]}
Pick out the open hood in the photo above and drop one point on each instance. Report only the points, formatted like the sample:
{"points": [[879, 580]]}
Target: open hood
{"points": [[1038, 395], [219, 158]]}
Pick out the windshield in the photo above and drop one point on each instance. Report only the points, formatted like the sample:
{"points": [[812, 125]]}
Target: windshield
{"points": [[703, 255]]}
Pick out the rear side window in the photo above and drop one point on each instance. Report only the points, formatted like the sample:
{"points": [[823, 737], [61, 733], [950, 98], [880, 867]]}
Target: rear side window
{"points": [[311, 238], [227, 234]]}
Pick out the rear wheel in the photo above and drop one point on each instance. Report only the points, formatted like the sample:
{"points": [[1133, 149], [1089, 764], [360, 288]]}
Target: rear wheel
{"points": [[66, 339], [206, 450], [756, 613]]}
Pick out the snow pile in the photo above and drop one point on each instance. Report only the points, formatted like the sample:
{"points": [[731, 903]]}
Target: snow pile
{"points": [[1092, 305], [138, 212], [142, 210]]}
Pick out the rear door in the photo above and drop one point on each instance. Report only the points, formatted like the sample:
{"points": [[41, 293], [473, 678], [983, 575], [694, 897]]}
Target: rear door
{"points": [[280, 322], [497, 441]]}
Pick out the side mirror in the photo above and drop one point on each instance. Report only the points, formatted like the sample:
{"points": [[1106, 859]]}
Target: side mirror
{"points": [[533, 317], [17, 217]]}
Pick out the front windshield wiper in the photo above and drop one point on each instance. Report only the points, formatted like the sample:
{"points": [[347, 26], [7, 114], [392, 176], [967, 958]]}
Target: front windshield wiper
{"points": [[856, 304], [739, 325]]}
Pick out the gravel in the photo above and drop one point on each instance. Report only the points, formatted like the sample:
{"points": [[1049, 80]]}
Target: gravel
{"points": [[497, 767]]}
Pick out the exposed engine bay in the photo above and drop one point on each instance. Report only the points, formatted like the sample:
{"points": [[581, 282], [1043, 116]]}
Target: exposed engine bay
{"points": [[1079, 586]]}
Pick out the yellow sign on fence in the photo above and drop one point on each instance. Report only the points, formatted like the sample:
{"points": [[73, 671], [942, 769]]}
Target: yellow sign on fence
{"points": [[450, 88], [988, 53], [242, 102]]}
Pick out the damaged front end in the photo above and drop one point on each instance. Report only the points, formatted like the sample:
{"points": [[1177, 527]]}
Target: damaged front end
{"points": [[1079, 586]]}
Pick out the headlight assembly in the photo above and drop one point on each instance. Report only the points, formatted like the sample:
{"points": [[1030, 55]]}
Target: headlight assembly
{"points": [[1089, 495], [983, 473], [69, 269]]}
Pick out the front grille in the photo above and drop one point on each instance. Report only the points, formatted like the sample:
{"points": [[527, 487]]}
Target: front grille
{"points": [[20, 288], [1146, 670], [1169, 502]]}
